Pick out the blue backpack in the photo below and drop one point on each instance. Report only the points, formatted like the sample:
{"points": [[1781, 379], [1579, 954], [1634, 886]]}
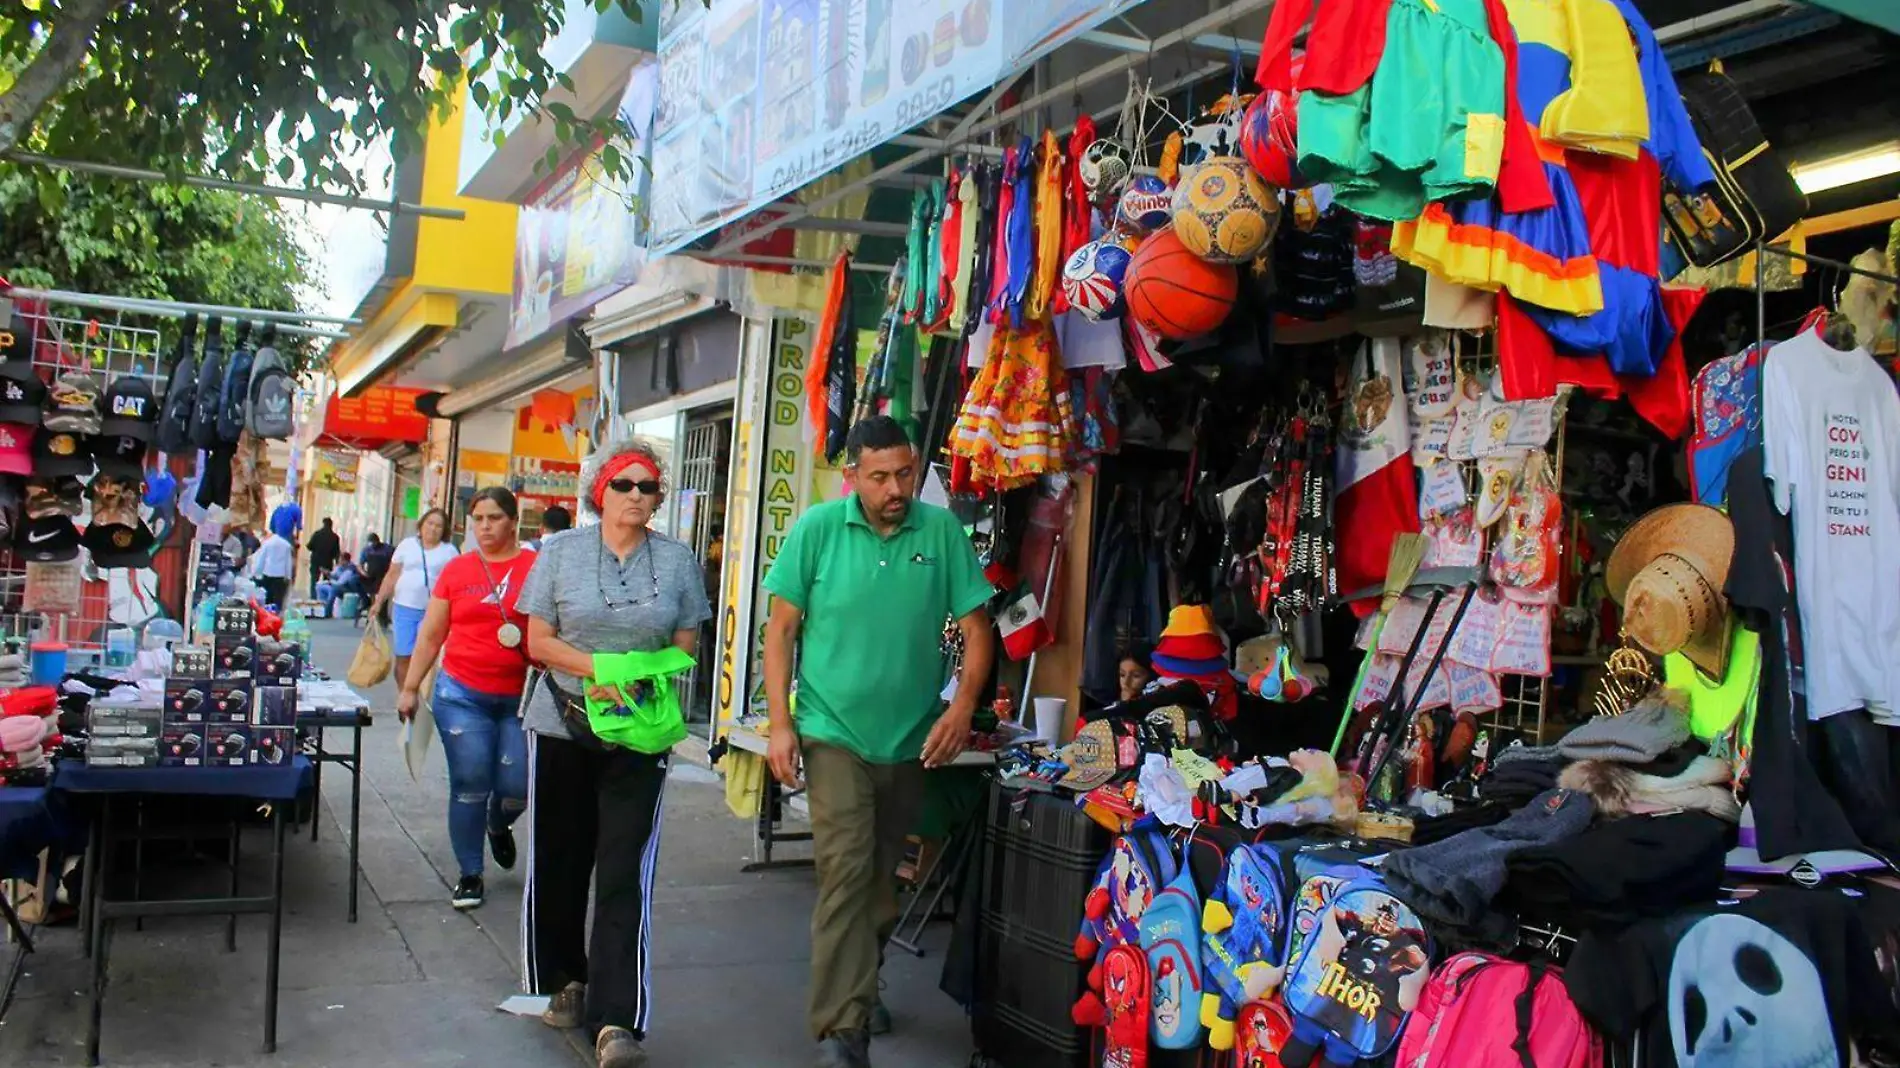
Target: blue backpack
{"points": [[1171, 939], [1140, 863], [1358, 976], [1244, 928], [234, 396]]}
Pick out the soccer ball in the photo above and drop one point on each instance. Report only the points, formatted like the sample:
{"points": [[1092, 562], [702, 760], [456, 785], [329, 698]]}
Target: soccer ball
{"points": [[1223, 212], [1104, 168], [1092, 278], [1145, 205]]}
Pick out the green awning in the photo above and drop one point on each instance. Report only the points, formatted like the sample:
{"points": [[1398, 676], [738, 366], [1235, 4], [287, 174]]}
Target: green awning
{"points": [[1882, 13]]}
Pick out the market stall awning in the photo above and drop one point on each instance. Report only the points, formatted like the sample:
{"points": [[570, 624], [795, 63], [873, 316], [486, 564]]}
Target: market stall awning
{"points": [[379, 416]]}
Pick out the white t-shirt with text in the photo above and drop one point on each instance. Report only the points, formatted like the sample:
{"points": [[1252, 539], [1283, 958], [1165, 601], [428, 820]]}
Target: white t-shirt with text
{"points": [[1831, 431]]}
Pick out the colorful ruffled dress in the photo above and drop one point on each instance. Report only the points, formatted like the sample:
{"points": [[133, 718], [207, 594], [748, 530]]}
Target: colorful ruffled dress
{"points": [[1542, 256], [1016, 418]]}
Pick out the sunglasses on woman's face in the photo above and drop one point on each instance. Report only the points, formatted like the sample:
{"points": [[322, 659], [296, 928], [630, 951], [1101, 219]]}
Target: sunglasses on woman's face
{"points": [[648, 486]]}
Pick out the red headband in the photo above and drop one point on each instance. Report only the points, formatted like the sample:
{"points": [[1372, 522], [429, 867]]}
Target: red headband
{"points": [[613, 467]]}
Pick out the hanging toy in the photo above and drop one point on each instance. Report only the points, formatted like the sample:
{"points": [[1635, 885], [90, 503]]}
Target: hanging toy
{"points": [[1145, 205], [1213, 133], [1104, 169], [1269, 138], [1223, 212], [1092, 279]]}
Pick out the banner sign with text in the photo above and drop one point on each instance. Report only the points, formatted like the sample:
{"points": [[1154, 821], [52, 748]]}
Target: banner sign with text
{"points": [[760, 97]]}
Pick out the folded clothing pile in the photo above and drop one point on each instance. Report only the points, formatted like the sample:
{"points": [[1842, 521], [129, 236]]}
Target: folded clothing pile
{"points": [[29, 732], [1620, 871], [1453, 882], [12, 671]]}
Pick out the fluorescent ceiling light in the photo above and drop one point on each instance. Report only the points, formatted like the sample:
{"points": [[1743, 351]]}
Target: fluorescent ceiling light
{"points": [[1848, 168]]}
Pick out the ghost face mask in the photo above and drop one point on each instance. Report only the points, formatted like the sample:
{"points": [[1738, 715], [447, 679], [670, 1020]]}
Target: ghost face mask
{"points": [[1741, 994]]}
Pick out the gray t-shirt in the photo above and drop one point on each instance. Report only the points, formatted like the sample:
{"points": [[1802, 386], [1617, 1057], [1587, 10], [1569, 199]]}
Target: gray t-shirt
{"points": [[599, 604]]}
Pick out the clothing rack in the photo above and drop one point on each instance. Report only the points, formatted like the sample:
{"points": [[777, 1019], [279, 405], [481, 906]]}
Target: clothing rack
{"points": [[1761, 285], [286, 322]]}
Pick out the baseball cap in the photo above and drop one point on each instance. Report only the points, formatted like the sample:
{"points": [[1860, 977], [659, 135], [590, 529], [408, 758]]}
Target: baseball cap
{"points": [[119, 544], [1090, 756], [120, 454], [22, 394], [131, 409], [47, 539], [61, 453], [16, 448], [72, 403]]}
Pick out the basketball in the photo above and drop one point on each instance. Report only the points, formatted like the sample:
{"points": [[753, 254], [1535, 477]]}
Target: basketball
{"points": [[1223, 212], [1175, 293]]}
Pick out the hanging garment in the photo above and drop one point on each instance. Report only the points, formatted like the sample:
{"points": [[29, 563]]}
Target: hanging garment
{"points": [[1011, 428], [1831, 427], [1077, 214], [996, 298], [1604, 110], [1725, 408], [930, 272], [1622, 204], [1018, 244], [1377, 495], [961, 254], [836, 339], [1531, 368], [982, 250], [949, 250], [909, 297], [1049, 232], [1428, 125]]}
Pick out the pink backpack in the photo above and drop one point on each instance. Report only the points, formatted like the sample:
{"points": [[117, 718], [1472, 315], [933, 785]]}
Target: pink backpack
{"points": [[1481, 1011]]}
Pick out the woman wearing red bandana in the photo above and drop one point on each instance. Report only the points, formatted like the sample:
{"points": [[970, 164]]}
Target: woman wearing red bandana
{"points": [[611, 587]]}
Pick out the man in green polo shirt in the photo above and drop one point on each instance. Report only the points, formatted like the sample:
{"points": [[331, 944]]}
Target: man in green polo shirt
{"points": [[867, 582]]}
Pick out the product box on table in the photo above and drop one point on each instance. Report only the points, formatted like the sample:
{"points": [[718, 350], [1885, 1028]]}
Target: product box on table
{"points": [[234, 656], [230, 701], [275, 706], [191, 662], [120, 752], [187, 700], [228, 746], [122, 721], [182, 745], [272, 746], [234, 619], [279, 663]]}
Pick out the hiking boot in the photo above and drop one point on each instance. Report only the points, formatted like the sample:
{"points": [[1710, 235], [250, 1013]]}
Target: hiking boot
{"points": [[880, 1018], [846, 1049], [617, 1048], [468, 893], [501, 845], [564, 1008]]}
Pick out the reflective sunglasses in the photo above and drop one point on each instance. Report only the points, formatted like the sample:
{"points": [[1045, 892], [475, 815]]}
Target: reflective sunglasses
{"points": [[648, 486]]}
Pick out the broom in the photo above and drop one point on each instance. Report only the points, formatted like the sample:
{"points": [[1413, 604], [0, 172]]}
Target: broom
{"points": [[1408, 552]]}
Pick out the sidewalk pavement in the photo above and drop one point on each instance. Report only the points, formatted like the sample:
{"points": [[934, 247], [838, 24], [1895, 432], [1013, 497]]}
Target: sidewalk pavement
{"points": [[415, 983]]}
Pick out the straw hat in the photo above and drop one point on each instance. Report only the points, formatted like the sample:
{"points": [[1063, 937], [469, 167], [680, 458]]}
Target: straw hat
{"points": [[1668, 572]]}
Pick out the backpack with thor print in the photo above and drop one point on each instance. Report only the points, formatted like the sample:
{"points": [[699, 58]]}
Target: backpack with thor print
{"points": [[1360, 972]]}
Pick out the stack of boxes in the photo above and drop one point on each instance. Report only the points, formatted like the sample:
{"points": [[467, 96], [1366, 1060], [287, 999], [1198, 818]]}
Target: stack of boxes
{"points": [[233, 704]]}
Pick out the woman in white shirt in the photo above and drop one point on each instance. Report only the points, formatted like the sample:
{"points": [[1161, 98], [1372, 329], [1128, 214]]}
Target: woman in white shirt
{"points": [[419, 560]]}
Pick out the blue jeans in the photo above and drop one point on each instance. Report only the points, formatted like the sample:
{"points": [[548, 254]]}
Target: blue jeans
{"points": [[488, 765]]}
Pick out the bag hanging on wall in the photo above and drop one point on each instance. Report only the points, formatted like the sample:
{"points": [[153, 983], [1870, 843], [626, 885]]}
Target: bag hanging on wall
{"points": [[1754, 198]]}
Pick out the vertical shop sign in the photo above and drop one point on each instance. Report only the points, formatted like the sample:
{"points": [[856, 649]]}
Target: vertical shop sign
{"points": [[787, 472], [742, 499]]}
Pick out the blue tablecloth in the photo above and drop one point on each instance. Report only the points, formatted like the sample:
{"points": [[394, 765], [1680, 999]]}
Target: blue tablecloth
{"points": [[27, 825], [260, 781]]}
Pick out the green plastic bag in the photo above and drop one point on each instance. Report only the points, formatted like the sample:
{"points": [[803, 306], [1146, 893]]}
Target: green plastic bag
{"points": [[647, 718]]}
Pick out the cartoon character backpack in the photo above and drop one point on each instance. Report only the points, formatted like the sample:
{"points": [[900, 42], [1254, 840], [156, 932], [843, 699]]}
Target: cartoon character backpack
{"points": [[1171, 938], [1125, 994], [1264, 1027], [1316, 894], [1359, 974], [1139, 864], [1481, 1011], [1244, 938]]}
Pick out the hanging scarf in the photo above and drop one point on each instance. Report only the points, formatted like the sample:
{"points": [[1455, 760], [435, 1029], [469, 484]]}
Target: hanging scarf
{"points": [[1048, 222], [998, 300], [1077, 215], [910, 293], [837, 290], [1019, 236], [889, 325], [930, 271], [961, 259], [982, 249]]}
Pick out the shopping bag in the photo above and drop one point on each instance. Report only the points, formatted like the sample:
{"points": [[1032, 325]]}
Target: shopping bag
{"points": [[373, 658]]}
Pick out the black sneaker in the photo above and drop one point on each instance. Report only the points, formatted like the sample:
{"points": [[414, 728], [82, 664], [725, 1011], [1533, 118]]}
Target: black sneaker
{"points": [[468, 893], [502, 845]]}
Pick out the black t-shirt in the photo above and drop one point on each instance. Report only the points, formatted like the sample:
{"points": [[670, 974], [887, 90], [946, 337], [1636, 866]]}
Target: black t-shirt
{"points": [[325, 547], [1785, 976], [1794, 812]]}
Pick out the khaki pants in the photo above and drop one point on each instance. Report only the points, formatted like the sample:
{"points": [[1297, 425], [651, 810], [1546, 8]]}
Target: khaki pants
{"points": [[860, 813]]}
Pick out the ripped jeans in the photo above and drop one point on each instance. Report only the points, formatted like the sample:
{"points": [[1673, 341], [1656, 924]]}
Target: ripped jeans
{"points": [[488, 765]]}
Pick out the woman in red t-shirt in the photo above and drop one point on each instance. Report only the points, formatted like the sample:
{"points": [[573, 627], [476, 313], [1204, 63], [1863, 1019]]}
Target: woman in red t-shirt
{"points": [[472, 620]]}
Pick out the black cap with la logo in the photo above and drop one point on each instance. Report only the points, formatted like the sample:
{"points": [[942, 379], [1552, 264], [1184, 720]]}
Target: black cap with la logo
{"points": [[22, 394]]}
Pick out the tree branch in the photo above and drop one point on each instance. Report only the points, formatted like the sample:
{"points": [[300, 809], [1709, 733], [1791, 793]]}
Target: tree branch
{"points": [[49, 71]]}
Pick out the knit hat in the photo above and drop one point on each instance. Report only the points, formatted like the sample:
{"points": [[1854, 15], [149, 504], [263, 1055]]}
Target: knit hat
{"points": [[1654, 726]]}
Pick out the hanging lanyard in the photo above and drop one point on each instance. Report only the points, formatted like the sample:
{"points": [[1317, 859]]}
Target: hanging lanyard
{"points": [[507, 634]]}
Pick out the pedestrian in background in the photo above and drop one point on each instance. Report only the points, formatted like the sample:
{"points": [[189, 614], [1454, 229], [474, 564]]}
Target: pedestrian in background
{"points": [[324, 548], [864, 586], [474, 622], [271, 566], [413, 569], [612, 587]]}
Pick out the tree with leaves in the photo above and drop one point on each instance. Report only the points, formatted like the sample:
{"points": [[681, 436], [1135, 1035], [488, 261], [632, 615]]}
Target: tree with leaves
{"points": [[249, 88], [136, 239]]}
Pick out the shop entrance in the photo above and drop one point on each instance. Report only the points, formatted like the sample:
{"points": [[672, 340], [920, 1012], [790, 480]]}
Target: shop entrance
{"points": [[705, 457]]}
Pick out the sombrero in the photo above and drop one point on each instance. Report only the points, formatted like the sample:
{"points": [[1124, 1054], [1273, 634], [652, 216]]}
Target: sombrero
{"points": [[1668, 572]]}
